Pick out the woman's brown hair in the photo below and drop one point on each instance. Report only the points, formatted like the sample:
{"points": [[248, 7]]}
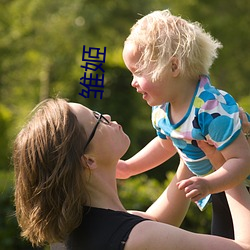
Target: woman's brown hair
{"points": [[49, 186]]}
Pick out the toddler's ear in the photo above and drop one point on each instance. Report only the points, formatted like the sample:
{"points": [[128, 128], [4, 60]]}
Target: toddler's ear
{"points": [[175, 66]]}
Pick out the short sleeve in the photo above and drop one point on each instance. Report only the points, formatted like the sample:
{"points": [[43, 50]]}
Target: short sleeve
{"points": [[159, 121], [162, 136], [219, 120]]}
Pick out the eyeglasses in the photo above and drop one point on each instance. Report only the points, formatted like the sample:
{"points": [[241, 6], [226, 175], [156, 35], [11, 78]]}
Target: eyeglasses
{"points": [[100, 118]]}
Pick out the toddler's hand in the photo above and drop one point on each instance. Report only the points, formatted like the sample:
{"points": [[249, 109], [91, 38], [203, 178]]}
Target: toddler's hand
{"points": [[195, 187], [122, 170]]}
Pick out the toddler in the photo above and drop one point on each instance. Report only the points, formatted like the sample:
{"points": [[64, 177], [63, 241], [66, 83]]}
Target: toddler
{"points": [[170, 59]]}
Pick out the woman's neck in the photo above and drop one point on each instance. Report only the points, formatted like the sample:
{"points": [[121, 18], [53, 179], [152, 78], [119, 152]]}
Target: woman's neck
{"points": [[102, 189]]}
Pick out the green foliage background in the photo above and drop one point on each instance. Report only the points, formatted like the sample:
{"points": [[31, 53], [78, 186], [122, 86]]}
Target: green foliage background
{"points": [[40, 49]]}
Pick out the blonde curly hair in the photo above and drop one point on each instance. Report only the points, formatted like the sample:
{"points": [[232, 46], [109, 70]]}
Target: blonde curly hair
{"points": [[49, 184], [160, 36]]}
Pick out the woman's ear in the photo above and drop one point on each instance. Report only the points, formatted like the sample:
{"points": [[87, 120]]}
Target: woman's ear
{"points": [[89, 161]]}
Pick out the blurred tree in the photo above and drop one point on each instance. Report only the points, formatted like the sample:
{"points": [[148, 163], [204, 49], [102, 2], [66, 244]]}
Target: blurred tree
{"points": [[228, 22], [10, 238], [5, 123]]}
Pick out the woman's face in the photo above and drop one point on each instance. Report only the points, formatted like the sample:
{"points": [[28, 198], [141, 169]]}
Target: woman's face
{"points": [[109, 138]]}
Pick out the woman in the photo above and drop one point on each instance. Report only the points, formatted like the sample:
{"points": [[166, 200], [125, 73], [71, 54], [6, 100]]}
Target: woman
{"points": [[65, 166]]}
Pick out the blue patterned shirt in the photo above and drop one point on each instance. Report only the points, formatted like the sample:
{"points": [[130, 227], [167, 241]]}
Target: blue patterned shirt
{"points": [[213, 115]]}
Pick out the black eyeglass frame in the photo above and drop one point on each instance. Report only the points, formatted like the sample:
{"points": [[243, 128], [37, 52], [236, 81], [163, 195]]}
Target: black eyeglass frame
{"points": [[100, 118]]}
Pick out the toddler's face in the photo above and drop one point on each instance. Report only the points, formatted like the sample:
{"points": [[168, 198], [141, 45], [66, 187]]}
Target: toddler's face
{"points": [[152, 92]]}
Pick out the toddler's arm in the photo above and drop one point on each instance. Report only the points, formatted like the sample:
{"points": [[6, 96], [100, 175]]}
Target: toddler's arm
{"points": [[234, 171], [153, 154]]}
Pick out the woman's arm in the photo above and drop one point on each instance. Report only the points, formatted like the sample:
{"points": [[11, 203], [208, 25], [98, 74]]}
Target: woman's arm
{"points": [[239, 203], [245, 120], [160, 236], [171, 207]]}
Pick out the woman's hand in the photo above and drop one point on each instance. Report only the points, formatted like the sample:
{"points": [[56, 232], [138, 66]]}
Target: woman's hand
{"points": [[245, 124]]}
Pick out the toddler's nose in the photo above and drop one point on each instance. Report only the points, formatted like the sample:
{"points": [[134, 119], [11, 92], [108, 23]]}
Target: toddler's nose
{"points": [[134, 83]]}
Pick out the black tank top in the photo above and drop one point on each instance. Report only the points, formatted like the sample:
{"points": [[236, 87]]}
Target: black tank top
{"points": [[102, 229]]}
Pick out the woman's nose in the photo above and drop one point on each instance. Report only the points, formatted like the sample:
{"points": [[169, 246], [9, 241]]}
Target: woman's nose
{"points": [[108, 117]]}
